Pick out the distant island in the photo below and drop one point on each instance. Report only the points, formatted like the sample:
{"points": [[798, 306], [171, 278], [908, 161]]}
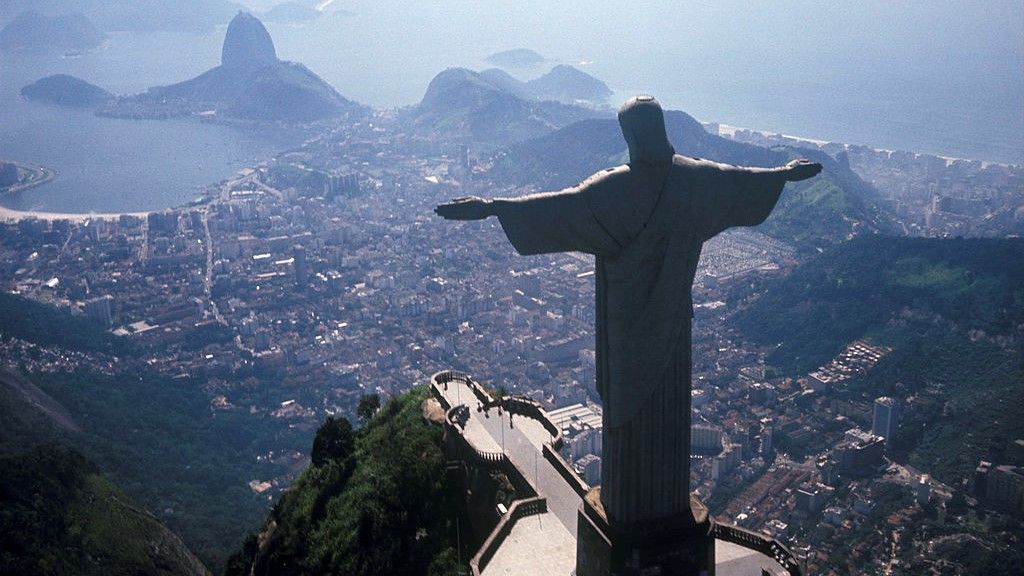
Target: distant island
{"points": [[517, 58], [32, 31], [65, 90], [250, 84]]}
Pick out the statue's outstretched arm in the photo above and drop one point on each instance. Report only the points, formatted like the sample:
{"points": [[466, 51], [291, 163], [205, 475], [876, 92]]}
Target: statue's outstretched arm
{"points": [[794, 171], [467, 208], [801, 169], [729, 196], [539, 223]]}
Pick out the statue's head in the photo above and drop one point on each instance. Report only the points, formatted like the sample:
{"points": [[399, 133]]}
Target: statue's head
{"points": [[643, 126]]}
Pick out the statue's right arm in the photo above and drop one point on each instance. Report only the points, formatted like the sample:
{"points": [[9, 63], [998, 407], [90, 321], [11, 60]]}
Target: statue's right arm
{"points": [[477, 208], [467, 208], [539, 223]]}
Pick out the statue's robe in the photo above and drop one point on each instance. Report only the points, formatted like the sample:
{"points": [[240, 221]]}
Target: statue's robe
{"points": [[645, 224]]}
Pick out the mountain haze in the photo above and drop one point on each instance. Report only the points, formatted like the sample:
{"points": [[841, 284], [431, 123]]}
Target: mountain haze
{"points": [[135, 15], [33, 31]]}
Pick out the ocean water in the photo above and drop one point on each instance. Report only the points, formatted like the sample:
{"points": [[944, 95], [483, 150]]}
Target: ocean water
{"points": [[944, 79], [105, 164]]}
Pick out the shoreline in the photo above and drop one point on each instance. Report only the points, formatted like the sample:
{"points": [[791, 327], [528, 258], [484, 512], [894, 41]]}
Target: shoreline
{"points": [[729, 131], [12, 215], [42, 175]]}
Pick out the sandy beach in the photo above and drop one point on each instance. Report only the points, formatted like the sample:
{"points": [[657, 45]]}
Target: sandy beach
{"points": [[9, 215], [42, 175]]}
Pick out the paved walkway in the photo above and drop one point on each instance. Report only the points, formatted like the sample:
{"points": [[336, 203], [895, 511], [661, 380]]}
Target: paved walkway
{"points": [[539, 546], [735, 560], [521, 440]]}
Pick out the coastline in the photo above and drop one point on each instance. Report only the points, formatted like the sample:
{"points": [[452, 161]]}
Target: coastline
{"points": [[11, 215], [42, 175], [729, 131]]}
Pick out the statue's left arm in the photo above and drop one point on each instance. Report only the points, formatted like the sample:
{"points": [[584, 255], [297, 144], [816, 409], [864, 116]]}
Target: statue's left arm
{"points": [[726, 196]]}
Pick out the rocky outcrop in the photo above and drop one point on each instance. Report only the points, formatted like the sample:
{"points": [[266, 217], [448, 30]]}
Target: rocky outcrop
{"points": [[250, 84], [247, 44]]}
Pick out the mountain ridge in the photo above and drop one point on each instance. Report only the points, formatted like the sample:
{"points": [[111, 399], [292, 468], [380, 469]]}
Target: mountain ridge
{"points": [[951, 309], [465, 106], [562, 83]]}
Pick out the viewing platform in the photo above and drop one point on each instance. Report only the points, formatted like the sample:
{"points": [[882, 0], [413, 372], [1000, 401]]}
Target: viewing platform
{"points": [[537, 536]]}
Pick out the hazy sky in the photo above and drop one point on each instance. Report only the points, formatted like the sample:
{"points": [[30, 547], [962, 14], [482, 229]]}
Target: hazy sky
{"points": [[868, 71], [938, 76], [660, 44]]}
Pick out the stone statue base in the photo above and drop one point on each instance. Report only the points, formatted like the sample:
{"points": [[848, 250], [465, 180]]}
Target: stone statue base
{"points": [[681, 546]]}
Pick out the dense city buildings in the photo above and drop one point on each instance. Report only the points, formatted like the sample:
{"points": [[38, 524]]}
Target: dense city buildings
{"points": [[302, 284]]}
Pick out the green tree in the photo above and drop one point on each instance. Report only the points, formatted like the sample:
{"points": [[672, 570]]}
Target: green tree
{"points": [[334, 441], [368, 406]]}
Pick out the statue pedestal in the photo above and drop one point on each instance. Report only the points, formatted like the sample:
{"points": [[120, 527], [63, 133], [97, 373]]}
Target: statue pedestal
{"points": [[682, 546]]}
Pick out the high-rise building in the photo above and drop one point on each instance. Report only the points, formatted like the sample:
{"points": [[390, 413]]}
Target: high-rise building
{"points": [[885, 418], [1006, 488], [705, 439], [99, 308], [301, 272], [340, 185], [980, 482], [766, 439], [924, 490], [590, 466], [860, 454]]}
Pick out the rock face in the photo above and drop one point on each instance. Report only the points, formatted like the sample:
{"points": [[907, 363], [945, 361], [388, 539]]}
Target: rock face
{"points": [[251, 84], [247, 44], [37, 32], [65, 90]]}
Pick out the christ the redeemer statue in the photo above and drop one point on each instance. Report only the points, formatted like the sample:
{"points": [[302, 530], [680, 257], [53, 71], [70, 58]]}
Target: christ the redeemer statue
{"points": [[645, 222]]}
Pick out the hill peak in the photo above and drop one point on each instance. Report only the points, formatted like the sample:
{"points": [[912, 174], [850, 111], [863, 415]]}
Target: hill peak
{"points": [[247, 43]]}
